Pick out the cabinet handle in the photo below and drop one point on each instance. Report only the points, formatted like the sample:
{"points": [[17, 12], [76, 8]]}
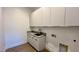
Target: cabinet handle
{"points": [[36, 39]]}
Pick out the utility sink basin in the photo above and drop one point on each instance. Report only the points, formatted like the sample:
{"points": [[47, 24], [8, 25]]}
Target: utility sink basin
{"points": [[39, 34]]}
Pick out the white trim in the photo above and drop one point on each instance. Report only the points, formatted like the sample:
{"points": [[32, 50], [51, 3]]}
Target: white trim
{"points": [[14, 45]]}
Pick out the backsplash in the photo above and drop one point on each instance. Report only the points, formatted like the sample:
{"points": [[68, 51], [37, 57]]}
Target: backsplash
{"points": [[64, 35]]}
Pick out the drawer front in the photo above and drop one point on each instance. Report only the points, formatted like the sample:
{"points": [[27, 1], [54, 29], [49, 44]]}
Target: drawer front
{"points": [[36, 43], [36, 46], [36, 40]]}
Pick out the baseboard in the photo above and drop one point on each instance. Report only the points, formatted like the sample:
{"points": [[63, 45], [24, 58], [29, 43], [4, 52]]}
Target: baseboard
{"points": [[14, 45], [3, 50]]}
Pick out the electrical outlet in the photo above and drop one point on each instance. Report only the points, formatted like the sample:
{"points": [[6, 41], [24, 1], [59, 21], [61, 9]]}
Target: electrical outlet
{"points": [[53, 35]]}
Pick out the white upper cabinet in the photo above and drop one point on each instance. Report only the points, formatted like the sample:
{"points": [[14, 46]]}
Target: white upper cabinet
{"points": [[36, 17], [57, 16], [41, 17], [46, 17], [72, 16]]}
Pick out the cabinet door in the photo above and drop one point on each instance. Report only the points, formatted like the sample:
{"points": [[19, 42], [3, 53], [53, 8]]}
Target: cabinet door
{"points": [[57, 16], [36, 43], [72, 16], [36, 17], [46, 16], [41, 17]]}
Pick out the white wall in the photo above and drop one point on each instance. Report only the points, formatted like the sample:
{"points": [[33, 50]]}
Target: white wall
{"points": [[2, 43], [65, 35], [16, 25]]}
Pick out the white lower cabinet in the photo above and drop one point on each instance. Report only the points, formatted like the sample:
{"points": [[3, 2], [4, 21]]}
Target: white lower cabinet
{"points": [[38, 42]]}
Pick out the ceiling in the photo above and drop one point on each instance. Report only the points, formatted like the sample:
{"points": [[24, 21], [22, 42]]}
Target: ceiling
{"points": [[33, 8]]}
